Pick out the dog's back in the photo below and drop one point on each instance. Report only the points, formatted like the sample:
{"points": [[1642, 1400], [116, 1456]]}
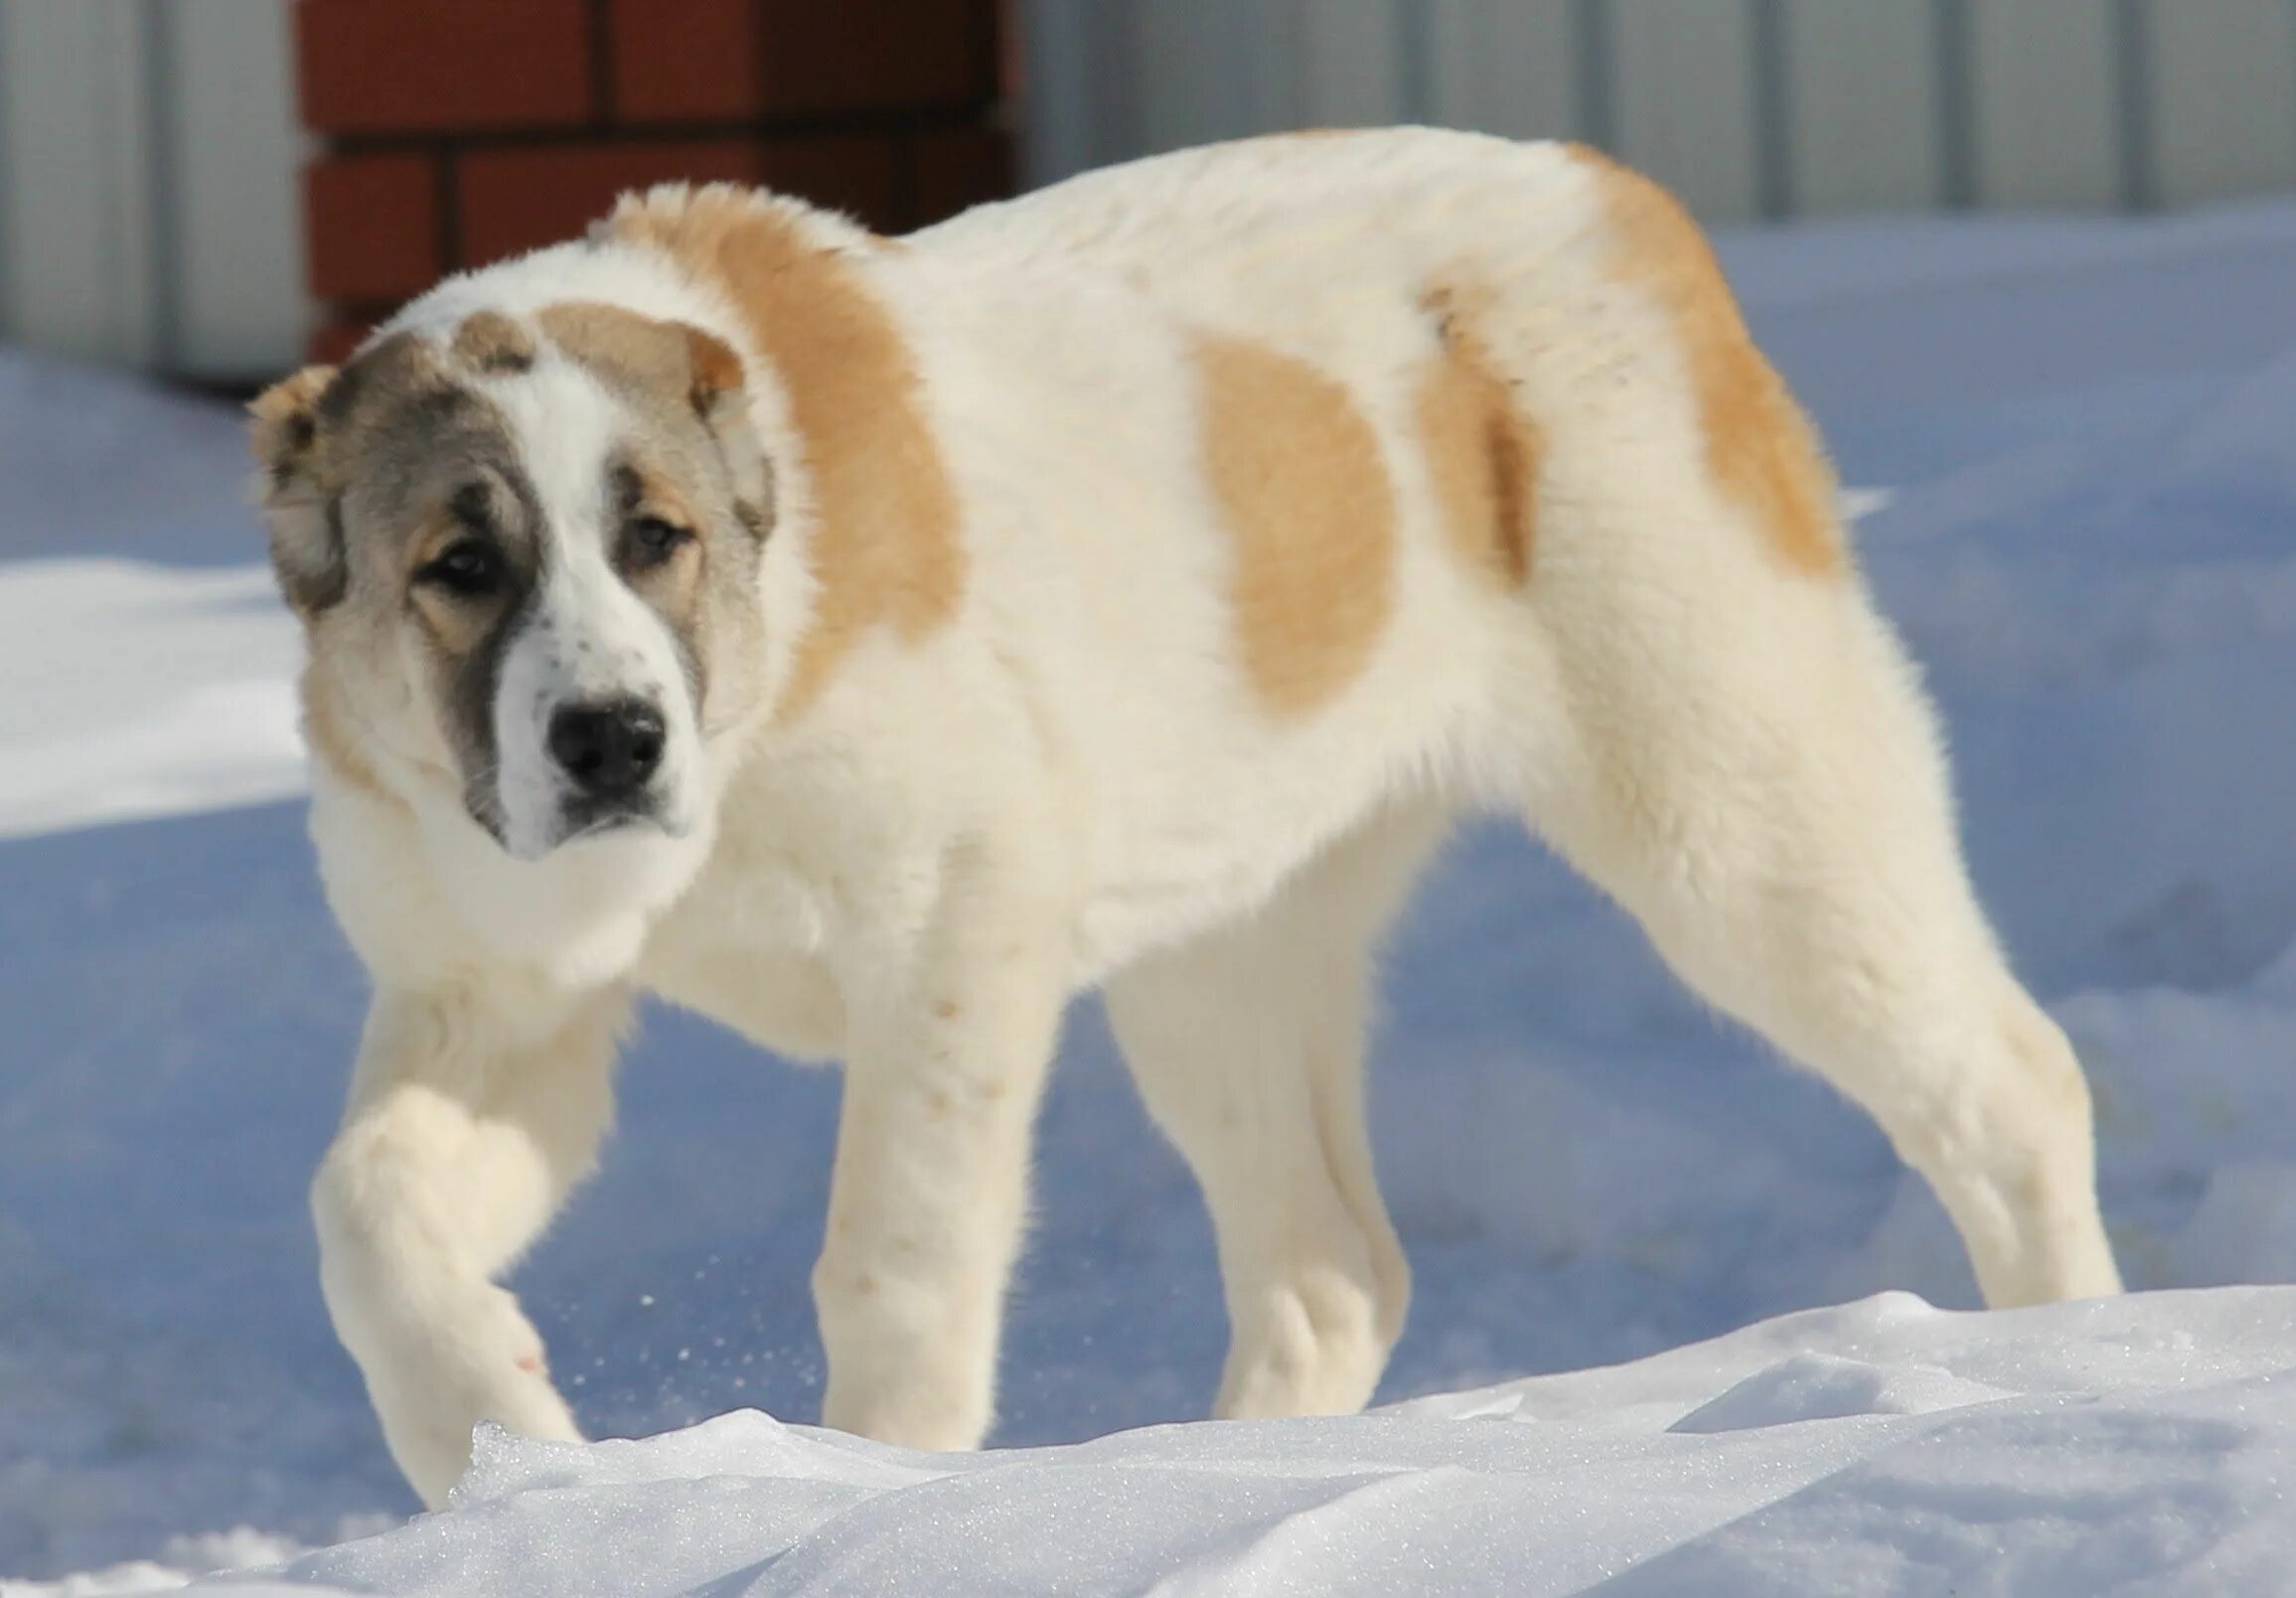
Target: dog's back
{"points": [[1287, 472], [1126, 583]]}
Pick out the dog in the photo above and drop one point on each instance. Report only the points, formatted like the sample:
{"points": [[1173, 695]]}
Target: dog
{"points": [[874, 642]]}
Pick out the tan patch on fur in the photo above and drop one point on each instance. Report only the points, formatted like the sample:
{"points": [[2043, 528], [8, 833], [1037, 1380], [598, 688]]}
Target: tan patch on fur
{"points": [[675, 587], [886, 550], [457, 624], [624, 345], [284, 424], [1483, 450], [1760, 447], [1306, 499], [331, 742], [489, 341], [306, 555]]}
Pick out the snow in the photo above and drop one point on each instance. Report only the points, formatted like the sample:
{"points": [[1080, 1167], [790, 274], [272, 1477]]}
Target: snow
{"points": [[173, 692], [1882, 1447], [2078, 481]]}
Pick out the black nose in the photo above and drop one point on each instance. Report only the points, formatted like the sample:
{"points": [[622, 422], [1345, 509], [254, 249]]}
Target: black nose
{"points": [[610, 750]]}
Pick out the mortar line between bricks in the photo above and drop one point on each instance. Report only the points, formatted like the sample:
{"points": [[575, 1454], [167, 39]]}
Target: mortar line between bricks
{"points": [[449, 207], [908, 184]]}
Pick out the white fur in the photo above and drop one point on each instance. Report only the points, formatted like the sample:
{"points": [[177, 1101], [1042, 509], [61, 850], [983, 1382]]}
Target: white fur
{"points": [[589, 638], [1072, 784]]}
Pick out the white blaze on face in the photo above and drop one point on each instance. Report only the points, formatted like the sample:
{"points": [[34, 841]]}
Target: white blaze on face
{"points": [[585, 639]]}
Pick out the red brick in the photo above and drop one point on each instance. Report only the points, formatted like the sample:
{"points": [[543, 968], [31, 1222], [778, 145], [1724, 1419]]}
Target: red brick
{"points": [[959, 169], [516, 200], [729, 59], [333, 339], [684, 61], [424, 66], [372, 226]]}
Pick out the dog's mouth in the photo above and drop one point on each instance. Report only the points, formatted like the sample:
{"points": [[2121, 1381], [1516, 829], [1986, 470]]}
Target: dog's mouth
{"points": [[579, 822], [586, 819]]}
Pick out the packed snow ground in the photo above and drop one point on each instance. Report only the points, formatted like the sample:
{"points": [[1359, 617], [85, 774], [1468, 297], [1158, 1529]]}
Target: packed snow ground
{"points": [[2089, 435], [1886, 1447]]}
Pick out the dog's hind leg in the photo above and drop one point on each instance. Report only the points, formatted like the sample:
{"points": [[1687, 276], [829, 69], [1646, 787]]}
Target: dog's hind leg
{"points": [[1757, 779], [470, 1120], [1248, 1046]]}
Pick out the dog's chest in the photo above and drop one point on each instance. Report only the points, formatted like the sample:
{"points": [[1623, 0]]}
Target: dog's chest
{"points": [[745, 948]]}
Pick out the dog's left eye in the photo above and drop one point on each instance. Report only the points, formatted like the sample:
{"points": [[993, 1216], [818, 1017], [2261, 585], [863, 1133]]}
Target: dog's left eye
{"points": [[650, 541]]}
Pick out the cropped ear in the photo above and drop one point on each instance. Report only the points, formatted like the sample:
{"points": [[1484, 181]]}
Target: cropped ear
{"points": [[306, 542], [721, 399]]}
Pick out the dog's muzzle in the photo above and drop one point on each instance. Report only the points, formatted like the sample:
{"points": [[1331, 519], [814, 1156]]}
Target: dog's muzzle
{"points": [[607, 753]]}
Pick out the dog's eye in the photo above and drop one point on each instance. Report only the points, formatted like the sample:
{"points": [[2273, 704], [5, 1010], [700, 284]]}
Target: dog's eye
{"points": [[467, 566], [650, 541]]}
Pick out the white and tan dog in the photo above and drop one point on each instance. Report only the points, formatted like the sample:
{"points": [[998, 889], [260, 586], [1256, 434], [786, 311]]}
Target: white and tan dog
{"points": [[872, 643]]}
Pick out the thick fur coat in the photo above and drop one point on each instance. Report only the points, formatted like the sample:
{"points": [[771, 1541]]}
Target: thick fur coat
{"points": [[871, 643]]}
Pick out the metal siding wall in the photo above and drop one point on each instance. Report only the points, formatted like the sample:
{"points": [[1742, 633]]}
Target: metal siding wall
{"points": [[148, 149], [75, 146], [1205, 69], [1080, 108], [1862, 100], [1749, 107], [2045, 93], [147, 183], [1683, 101], [235, 217], [1506, 68], [1352, 56], [2222, 80]]}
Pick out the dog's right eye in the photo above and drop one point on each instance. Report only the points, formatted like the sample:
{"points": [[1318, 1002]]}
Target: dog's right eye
{"points": [[468, 567]]}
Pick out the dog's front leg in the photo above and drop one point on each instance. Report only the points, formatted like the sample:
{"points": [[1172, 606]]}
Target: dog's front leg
{"points": [[472, 1114], [942, 1075]]}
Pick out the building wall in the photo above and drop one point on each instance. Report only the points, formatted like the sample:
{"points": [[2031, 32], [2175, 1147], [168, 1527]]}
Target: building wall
{"points": [[459, 133], [148, 208], [1750, 109], [150, 158]]}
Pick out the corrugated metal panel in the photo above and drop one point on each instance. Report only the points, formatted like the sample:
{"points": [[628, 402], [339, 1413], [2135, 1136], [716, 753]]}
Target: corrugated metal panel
{"points": [[1863, 97], [1205, 69], [235, 230], [2046, 93], [1749, 107], [75, 146], [1351, 60], [147, 183], [2224, 106], [1080, 109], [1684, 103], [148, 150], [1506, 68]]}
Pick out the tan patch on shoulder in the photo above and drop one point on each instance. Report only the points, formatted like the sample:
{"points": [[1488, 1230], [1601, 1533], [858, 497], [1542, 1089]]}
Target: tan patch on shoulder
{"points": [[1760, 447], [887, 549], [1306, 497], [490, 342], [1483, 449]]}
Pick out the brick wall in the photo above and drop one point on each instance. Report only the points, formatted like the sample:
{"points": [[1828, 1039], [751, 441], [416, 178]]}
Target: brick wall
{"points": [[460, 131]]}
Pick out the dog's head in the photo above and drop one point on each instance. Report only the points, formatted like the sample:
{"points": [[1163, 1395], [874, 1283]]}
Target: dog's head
{"points": [[526, 550]]}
